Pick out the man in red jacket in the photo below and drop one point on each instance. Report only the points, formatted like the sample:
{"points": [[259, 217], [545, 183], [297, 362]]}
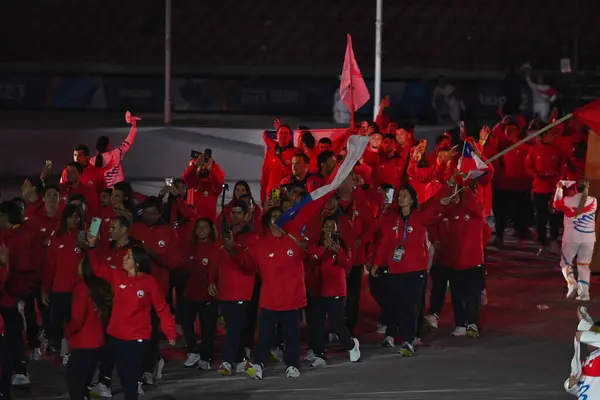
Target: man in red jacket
{"points": [[233, 285], [204, 179], [511, 187], [300, 171], [545, 162], [92, 176], [74, 185], [390, 166], [280, 261], [327, 163], [162, 244], [277, 163]]}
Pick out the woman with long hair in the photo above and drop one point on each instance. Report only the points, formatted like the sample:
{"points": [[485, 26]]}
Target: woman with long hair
{"points": [[61, 272], [110, 160], [329, 258], [402, 253], [136, 293], [90, 312], [203, 257]]}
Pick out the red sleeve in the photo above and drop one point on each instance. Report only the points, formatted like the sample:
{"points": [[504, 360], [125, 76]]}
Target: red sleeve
{"points": [[190, 177], [382, 120], [340, 142], [186, 211], [343, 261], [79, 310], [433, 207], [529, 162], [217, 178], [167, 323], [99, 267], [213, 270], [559, 201], [380, 245], [49, 268], [364, 209]]}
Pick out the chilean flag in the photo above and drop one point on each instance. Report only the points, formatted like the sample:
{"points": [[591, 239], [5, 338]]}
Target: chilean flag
{"points": [[308, 208], [470, 164]]}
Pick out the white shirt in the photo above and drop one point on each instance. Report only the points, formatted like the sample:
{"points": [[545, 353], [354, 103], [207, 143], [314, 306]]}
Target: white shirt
{"points": [[577, 228]]}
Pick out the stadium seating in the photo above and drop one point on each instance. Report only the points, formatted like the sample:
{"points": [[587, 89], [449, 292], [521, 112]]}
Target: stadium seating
{"points": [[459, 34]]}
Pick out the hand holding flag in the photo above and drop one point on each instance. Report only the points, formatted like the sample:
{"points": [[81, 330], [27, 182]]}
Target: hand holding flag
{"points": [[130, 119]]}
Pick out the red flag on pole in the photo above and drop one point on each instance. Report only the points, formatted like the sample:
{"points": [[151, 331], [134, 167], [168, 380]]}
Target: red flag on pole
{"points": [[353, 89], [590, 115]]}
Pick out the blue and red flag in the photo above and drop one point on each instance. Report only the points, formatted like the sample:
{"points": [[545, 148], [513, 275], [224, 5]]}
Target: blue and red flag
{"points": [[308, 208]]}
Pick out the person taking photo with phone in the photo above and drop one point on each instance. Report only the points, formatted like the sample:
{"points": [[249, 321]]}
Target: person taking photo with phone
{"points": [[204, 179]]}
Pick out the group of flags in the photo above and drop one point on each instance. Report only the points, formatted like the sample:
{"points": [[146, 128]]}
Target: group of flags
{"points": [[354, 94]]}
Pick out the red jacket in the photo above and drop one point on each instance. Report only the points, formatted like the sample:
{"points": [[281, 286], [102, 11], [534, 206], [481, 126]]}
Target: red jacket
{"points": [[106, 214], [416, 253], [389, 169], [280, 262], [510, 171], [331, 270], [544, 163], [202, 259], [134, 298], [315, 181], [462, 231], [92, 199], [181, 215], [26, 254], [363, 225], [92, 177], [275, 168], [32, 208], [84, 330], [44, 225], [235, 278], [204, 194], [161, 240], [61, 269]]}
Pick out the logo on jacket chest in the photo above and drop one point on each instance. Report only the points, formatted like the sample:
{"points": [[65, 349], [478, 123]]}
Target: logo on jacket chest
{"points": [[290, 252], [140, 294], [161, 243]]}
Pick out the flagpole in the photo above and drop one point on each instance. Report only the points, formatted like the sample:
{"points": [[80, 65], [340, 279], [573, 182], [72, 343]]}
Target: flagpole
{"points": [[517, 144], [167, 109], [378, 26]]}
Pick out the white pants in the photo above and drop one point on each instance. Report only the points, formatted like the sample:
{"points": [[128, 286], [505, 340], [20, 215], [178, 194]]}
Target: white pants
{"points": [[542, 110], [583, 252]]}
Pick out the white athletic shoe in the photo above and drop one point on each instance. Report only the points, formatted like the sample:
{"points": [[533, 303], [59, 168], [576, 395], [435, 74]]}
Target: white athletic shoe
{"points": [[191, 360], [101, 390], [432, 320], [292, 372], [459, 331], [310, 356], [355, 352]]}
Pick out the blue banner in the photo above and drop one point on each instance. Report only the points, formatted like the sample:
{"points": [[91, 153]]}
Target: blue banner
{"points": [[268, 96]]}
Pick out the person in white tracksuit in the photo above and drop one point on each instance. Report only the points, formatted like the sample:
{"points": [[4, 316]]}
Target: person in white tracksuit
{"points": [[579, 236], [584, 381]]}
